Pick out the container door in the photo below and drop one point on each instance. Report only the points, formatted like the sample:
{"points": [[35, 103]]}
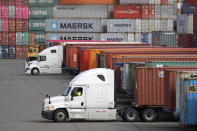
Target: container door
{"points": [[77, 104]]}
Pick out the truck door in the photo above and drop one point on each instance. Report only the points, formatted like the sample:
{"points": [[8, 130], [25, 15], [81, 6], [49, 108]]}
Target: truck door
{"points": [[78, 105], [43, 64]]}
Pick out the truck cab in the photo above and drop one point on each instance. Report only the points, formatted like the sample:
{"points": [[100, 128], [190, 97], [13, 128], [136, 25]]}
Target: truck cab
{"points": [[94, 102], [48, 61]]}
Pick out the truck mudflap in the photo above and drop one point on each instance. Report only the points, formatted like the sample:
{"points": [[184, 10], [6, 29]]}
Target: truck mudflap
{"points": [[47, 115]]}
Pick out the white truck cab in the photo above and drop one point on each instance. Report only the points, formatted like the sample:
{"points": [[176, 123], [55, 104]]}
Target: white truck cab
{"points": [[48, 61], [94, 102]]}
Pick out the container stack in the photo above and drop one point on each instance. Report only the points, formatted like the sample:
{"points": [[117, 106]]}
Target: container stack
{"points": [[186, 25]]}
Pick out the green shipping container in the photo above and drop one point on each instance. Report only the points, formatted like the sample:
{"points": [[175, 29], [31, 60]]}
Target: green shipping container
{"points": [[40, 12], [40, 37], [43, 2], [36, 24], [25, 38], [170, 63]]}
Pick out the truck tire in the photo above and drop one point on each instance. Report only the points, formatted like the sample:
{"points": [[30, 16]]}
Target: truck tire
{"points": [[60, 115], [149, 115], [35, 71], [131, 115]]}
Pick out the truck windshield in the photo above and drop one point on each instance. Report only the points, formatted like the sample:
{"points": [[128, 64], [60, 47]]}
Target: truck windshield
{"points": [[67, 91]]}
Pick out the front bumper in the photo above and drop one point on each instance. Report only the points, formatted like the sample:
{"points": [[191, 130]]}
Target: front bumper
{"points": [[47, 115], [27, 71]]}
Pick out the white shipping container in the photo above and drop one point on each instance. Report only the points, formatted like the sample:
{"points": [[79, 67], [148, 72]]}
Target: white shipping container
{"points": [[138, 37], [145, 25], [157, 25], [164, 11], [171, 2], [121, 37], [151, 25], [138, 25], [19, 38], [80, 11], [185, 24], [12, 13], [157, 11], [73, 25], [73, 36], [131, 37], [110, 11], [163, 25], [149, 38], [120, 25], [170, 24]]}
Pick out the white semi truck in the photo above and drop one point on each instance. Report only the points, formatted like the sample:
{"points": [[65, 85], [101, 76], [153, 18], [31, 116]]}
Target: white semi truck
{"points": [[97, 100]]}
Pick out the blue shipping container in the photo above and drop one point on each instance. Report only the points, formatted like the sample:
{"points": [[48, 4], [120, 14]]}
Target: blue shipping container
{"points": [[5, 54], [188, 102], [195, 40], [12, 52], [145, 38], [0, 52]]}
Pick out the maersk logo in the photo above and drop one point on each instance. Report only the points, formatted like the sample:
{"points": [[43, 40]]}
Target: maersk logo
{"points": [[54, 25]]}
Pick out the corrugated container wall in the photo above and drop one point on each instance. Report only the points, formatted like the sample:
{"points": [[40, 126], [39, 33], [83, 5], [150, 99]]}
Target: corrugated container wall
{"points": [[185, 41], [19, 38], [120, 25], [40, 12], [12, 25], [73, 36], [36, 24], [170, 63], [195, 21], [5, 53], [185, 24], [25, 38], [73, 25], [12, 13], [121, 37], [12, 52], [186, 9], [86, 2], [188, 102], [42, 3], [80, 11], [40, 37], [32, 38]]}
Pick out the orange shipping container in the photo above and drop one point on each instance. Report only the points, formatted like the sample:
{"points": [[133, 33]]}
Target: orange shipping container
{"points": [[86, 2]]}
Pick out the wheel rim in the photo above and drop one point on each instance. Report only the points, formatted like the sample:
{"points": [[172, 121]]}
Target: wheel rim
{"points": [[149, 115], [131, 115], [35, 71], [60, 116]]}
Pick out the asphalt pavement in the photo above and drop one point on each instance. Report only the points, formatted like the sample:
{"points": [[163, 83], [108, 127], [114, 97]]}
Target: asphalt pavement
{"points": [[20, 104]]}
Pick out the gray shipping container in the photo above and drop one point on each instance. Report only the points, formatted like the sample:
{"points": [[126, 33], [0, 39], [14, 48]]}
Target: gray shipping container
{"points": [[185, 24], [40, 12], [110, 11], [121, 37], [19, 38], [73, 36], [120, 25], [168, 39], [134, 1], [73, 25], [12, 13], [80, 11], [104, 25], [43, 2]]}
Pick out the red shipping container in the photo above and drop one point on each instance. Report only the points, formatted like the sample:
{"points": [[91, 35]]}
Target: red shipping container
{"points": [[127, 11], [4, 11], [145, 11], [32, 38], [0, 11], [4, 2], [19, 51], [195, 21], [42, 47], [19, 25], [19, 12], [0, 38], [4, 23], [12, 38], [164, 2], [25, 14], [25, 52], [11, 2], [18, 2], [191, 2], [12, 25], [4, 38], [151, 11], [185, 41], [25, 25]]}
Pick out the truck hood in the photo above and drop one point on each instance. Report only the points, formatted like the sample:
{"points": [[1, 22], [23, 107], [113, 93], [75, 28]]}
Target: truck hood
{"points": [[55, 99]]}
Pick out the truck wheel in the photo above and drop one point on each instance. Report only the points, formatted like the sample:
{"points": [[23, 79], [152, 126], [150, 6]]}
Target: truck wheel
{"points": [[149, 115], [130, 115], [35, 71], [60, 115]]}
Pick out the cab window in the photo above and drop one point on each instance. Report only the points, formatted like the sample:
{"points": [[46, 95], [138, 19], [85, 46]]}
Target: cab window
{"points": [[42, 58], [77, 91]]}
